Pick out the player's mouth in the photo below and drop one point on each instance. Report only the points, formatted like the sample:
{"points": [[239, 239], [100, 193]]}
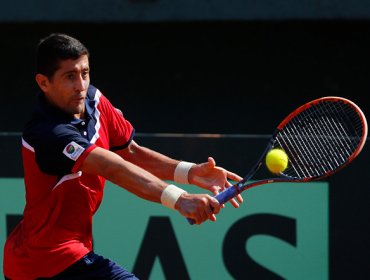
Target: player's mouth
{"points": [[78, 99]]}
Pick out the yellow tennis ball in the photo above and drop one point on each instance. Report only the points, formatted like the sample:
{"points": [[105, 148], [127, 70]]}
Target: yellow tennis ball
{"points": [[276, 161]]}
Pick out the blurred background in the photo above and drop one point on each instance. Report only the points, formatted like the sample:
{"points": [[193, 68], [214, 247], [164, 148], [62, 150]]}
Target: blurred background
{"points": [[210, 78]]}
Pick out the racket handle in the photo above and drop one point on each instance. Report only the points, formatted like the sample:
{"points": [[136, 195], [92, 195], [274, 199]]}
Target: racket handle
{"points": [[226, 195], [222, 198]]}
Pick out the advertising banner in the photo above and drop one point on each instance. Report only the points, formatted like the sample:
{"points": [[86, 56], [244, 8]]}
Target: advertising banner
{"points": [[280, 232]]}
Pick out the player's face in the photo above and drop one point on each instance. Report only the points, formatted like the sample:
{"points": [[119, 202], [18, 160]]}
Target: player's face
{"points": [[68, 87]]}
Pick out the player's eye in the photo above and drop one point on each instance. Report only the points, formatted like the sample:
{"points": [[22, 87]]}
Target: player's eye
{"points": [[85, 74], [70, 76]]}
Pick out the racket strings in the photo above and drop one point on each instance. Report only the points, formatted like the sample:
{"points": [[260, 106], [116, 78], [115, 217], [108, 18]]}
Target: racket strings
{"points": [[320, 139], [311, 150], [331, 146]]}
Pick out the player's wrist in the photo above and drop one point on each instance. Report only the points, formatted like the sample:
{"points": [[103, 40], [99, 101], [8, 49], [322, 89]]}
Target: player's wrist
{"points": [[170, 195], [181, 174]]}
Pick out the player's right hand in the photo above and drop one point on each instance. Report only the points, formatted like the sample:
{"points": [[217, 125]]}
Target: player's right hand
{"points": [[199, 207]]}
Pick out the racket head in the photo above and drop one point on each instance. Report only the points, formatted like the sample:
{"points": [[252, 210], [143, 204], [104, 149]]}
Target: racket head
{"points": [[320, 138]]}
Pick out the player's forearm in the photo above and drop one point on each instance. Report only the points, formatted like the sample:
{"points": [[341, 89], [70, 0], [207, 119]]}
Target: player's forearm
{"points": [[156, 163], [124, 174], [136, 180]]}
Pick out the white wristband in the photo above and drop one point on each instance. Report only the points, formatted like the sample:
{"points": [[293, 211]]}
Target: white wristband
{"points": [[182, 172], [170, 195]]}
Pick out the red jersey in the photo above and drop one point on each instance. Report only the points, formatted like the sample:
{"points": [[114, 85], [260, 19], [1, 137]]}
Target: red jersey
{"points": [[56, 230]]}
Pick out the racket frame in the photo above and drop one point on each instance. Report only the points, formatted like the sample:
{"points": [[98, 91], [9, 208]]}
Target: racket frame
{"points": [[242, 185]]}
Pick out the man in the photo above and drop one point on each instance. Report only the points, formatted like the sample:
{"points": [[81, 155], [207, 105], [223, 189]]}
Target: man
{"points": [[75, 141]]}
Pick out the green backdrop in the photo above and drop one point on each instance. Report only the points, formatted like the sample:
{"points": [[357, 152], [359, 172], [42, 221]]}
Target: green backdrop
{"points": [[158, 242]]}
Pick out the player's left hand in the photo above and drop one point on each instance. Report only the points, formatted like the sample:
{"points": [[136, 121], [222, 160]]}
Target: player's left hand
{"points": [[213, 178]]}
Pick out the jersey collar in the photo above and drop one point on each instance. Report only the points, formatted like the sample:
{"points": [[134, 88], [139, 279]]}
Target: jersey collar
{"points": [[48, 110]]}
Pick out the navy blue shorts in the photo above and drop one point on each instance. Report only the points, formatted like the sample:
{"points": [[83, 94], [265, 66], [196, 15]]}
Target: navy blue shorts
{"points": [[94, 267]]}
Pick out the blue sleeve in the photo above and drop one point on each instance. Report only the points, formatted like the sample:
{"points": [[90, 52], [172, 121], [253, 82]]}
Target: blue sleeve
{"points": [[57, 148]]}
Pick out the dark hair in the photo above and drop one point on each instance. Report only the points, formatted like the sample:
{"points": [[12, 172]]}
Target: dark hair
{"points": [[54, 48]]}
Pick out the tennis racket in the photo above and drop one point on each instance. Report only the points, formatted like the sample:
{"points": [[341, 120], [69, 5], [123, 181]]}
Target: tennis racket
{"points": [[319, 138]]}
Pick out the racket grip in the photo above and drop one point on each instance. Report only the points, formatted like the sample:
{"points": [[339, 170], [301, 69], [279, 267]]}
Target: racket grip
{"points": [[222, 198], [226, 195]]}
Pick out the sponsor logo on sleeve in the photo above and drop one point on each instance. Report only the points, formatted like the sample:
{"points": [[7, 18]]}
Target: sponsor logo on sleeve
{"points": [[73, 150]]}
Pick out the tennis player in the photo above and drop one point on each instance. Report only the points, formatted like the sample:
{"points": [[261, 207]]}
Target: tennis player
{"points": [[75, 141]]}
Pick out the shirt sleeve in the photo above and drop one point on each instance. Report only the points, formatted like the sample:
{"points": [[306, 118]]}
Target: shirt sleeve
{"points": [[121, 132], [58, 149]]}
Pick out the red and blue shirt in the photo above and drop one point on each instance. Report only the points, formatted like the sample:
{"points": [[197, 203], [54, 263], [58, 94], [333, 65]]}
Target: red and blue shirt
{"points": [[56, 230]]}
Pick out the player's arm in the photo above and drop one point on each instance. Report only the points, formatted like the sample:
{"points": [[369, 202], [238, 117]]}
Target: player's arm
{"points": [[156, 163], [205, 175], [146, 185]]}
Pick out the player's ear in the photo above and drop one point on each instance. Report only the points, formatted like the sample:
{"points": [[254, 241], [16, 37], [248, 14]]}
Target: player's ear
{"points": [[42, 81]]}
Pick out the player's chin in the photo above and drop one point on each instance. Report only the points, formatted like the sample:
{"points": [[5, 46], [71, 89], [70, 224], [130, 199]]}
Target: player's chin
{"points": [[77, 108]]}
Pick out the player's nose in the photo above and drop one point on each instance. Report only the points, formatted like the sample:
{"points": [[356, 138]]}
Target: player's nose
{"points": [[81, 84]]}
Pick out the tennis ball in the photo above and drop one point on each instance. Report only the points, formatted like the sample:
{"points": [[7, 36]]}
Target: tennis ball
{"points": [[276, 161]]}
